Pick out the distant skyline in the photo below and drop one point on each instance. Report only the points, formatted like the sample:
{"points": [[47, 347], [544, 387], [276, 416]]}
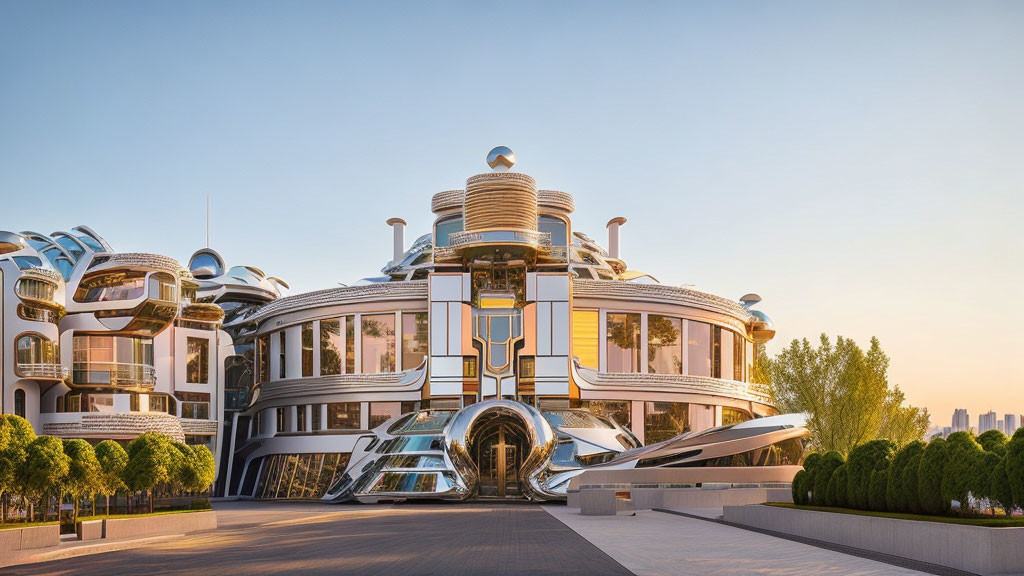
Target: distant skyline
{"points": [[858, 165]]}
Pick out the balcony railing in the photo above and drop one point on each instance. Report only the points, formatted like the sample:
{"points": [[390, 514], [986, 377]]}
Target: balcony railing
{"points": [[43, 371], [114, 375]]}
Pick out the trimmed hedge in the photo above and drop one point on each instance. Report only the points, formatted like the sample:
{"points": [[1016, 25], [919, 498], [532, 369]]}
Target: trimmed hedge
{"points": [[960, 475], [920, 478], [929, 477], [835, 493], [800, 482], [908, 484], [876, 489], [870, 456], [822, 474], [895, 499]]}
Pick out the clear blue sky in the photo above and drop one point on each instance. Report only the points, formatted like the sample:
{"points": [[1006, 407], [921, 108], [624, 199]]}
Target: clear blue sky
{"points": [[859, 164]]}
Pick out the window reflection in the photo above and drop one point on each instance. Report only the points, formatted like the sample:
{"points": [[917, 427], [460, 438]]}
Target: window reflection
{"points": [[586, 337], [381, 412], [299, 476], [665, 420], [732, 416], [415, 330], [307, 349], [444, 229], [378, 345], [623, 342], [616, 410], [698, 348], [330, 347], [556, 227], [197, 362], [664, 345], [343, 416]]}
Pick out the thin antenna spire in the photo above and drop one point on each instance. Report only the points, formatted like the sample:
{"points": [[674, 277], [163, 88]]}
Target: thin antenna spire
{"points": [[207, 219]]}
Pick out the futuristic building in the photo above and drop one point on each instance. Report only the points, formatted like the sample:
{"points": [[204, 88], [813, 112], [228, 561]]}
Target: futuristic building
{"points": [[99, 344], [498, 356]]}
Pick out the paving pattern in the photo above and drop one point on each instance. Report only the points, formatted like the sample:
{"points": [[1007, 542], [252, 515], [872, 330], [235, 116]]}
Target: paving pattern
{"points": [[658, 544], [257, 539]]}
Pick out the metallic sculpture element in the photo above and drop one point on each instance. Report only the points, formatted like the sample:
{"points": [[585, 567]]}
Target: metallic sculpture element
{"points": [[11, 242], [459, 438], [501, 158]]}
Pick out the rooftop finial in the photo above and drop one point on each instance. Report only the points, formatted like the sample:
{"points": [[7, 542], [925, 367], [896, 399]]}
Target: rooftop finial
{"points": [[501, 159]]}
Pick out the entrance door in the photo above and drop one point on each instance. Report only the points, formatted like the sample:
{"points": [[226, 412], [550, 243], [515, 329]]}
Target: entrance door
{"points": [[498, 459]]}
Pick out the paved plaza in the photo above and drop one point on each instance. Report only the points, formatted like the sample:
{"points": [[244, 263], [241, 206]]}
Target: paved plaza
{"points": [[481, 538]]}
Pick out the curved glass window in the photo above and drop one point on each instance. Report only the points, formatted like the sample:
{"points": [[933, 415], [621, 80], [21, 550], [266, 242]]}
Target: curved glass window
{"points": [[422, 422], [72, 247], [112, 287], [307, 349], [35, 289], [163, 287], [556, 227], [26, 262], [206, 265], [91, 242], [616, 410], [575, 419], [299, 476], [60, 262], [35, 349], [664, 345], [731, 416], [444, 229], [19, 402], [26, 312]]}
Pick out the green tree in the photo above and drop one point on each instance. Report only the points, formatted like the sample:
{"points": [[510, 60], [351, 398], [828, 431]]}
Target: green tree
{"points": [[835, 494], [895, 498], [151, 460], [44, 470], [993, 441], [870, 456], [83, 470], [811, 460], [999, 488], [909, 484], [846, 393], [929, 477], [113, 461], [195, 469], [822, 474], [1015, 465], [15, 436], [876, 489]]}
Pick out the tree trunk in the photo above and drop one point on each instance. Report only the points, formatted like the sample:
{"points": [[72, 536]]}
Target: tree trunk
{"points": [[149, 494], [108, 504]]}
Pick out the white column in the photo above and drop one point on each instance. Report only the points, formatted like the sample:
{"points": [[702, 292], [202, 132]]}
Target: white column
{"points": [[613, 236]]}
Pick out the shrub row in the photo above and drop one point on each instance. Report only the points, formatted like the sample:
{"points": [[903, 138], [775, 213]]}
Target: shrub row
{"points": [[39, 468], [958, 474]]}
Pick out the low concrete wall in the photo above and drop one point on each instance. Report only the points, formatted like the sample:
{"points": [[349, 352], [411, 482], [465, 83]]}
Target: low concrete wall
{"points": [[972, 548], [723, 475], [14, 539], [602, 502], [646, 497], [89, 530], [122, 528]]}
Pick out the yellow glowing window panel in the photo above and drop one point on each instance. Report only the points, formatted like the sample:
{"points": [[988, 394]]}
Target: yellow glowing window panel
{"points": [[497, 301], [585, 336]]}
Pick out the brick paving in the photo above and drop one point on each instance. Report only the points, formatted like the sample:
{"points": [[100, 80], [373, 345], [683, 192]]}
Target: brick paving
{"points": [[258, 538]]}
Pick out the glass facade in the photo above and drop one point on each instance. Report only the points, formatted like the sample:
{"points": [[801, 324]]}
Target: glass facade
{"points": [[108, 360], [415, 332], [350, 344], [554, 226], [299, 476], [263, 352], [665, 420], [623, 342], [785, 453], [444, 229], [19, 402], [330, 347], [197, 361], [664, 345], [112, 287], [343, 416], [378, 344]]}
